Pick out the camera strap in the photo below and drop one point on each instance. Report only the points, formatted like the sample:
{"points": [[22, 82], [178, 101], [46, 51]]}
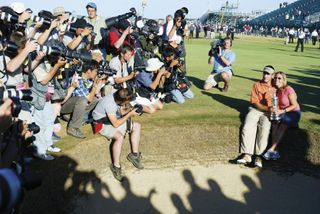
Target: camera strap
{"points": [[4, 60], [29, 71], [3, 73]]}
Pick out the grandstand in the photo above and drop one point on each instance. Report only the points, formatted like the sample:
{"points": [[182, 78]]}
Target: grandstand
{"points": [[297, 14], [227, 15]]}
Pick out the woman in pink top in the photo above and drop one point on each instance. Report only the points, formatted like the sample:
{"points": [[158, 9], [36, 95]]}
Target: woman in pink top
{"points": [[288, 109]]}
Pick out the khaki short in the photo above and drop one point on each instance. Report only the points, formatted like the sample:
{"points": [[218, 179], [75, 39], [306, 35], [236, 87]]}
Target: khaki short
{"points": [[109, 131], [214, 78]]}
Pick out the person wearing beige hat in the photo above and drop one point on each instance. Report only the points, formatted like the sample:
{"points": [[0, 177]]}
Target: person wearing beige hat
{"points": [[256, 128]]}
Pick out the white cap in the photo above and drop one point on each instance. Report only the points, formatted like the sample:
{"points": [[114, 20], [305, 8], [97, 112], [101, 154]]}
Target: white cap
{"points": [[153, 64], [18, 7]]}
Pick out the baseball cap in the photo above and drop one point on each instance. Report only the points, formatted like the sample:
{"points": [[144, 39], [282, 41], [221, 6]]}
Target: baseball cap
{"points": [[92, 5], [18, 7], [268, 69], [58, 11], [80, 23]]}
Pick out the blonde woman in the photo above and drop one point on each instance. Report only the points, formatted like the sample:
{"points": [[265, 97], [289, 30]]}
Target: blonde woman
{"points": [[288, 109]]}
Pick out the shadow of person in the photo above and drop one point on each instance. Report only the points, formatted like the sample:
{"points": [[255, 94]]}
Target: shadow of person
{"points": [[239, 105], [315, 121], [178, 203], [196, 81], [62, 186], [132, 203], [211, 200], [222, 203], [296, 151], [254, 197], [277, 194], [198, 197]]}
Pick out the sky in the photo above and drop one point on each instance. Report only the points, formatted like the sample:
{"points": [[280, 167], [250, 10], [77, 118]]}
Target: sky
{"points": [[154, 8]]}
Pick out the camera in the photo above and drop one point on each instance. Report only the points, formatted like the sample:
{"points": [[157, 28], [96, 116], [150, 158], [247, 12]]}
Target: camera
{"points": [[56, 51], [12, 187], [181, 13], [104, 69], [24, 94], [15, 96], [7, 17], [216, 45], [138, 108], [44, 16], [110, 22], [45, 22], [150, 27], [53, 51], [8, 46], [33, 127], [12, 19]]}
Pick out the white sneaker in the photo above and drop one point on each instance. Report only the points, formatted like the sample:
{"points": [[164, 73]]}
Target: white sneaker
{"points": [[244, 159], [53, 149], [43, 156]]}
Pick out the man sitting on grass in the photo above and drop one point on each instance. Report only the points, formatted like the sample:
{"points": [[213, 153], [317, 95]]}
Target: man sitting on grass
{"points": [[256, 128]]}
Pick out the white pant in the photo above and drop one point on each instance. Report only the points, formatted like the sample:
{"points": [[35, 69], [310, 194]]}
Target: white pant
{"points": [[45, 120]]}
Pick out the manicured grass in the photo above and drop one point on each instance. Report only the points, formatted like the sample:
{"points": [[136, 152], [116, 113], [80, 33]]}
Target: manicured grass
{"points": [[224, 111]]}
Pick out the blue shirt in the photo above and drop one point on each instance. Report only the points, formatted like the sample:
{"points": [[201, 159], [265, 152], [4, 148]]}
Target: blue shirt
{"points": [[145, 79], [83, 89], [219, 66]]}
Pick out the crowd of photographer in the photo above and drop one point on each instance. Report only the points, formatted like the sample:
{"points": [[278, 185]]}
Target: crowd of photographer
{"points": [[53, 66]]}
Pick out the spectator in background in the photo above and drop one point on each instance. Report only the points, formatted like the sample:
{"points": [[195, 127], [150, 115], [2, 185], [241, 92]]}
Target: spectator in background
{"points": [[192, 27], [291, 35], [314, 36], [198, 29], [301, 36], [289, 111], [286, 36], [307, 36]]}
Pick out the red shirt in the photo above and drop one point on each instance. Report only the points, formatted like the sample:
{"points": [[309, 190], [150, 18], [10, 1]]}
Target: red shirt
{"points": [[113, 37]]}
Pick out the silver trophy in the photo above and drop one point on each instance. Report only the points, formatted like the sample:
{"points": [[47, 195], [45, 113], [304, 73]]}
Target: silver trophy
{"points": [[274, 116]]}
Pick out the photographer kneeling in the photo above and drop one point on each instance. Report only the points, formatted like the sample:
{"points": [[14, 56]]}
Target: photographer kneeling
{"points": [[113, 121], [148, 81], [83, 99], [222, 61], [176, 83]]}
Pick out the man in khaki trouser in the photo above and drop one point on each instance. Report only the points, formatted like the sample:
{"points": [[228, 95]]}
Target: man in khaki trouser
{"points": [[255, 132]]}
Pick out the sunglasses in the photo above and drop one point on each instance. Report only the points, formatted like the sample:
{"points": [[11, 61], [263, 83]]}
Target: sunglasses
{"points": [[278, 78]]}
